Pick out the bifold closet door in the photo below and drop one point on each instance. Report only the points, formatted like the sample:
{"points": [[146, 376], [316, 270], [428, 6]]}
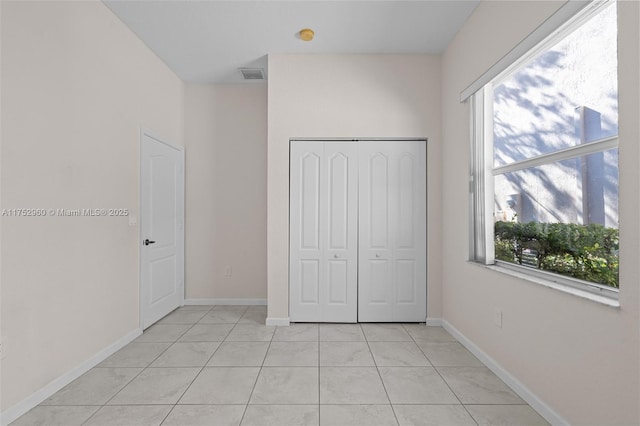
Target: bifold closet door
{"points": [[323, 231], [392, 232]]}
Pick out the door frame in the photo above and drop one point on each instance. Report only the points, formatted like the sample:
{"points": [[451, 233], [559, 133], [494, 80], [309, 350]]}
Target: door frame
{"points": [[145, 132], [361, 139]]}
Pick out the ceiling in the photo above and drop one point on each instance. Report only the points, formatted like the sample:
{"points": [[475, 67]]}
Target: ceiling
{"points": [[207, 41]]}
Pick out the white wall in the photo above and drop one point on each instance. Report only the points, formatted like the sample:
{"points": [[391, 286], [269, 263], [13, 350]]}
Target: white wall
{"points": [[76, 87], [579, 357], [317, 96], [226, 197]]}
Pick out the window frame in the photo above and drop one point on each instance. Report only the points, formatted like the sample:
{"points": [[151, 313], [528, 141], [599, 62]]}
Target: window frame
{"points": [[482, 171]]}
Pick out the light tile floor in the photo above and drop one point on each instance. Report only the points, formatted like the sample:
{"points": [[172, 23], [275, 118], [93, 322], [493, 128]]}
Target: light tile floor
{"points": [[220, 365]]}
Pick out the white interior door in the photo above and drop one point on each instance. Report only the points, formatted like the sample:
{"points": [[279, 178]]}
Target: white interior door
{"points": [[392, 231], [323, 232], [161, 228]]}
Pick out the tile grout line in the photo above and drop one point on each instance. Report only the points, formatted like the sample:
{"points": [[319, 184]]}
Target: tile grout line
{"points": [[440, 375], [375, 363], [208, 360], [119, 390], [199, 372], [196, 376], [246, 406], [205, 364], [414, 334], [139, 373]]}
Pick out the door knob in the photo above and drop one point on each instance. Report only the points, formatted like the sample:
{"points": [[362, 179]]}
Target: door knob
{"points": [[148, 241]]}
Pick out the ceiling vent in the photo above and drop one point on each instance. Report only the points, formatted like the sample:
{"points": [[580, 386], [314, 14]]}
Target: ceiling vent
{"points": [[252, 73]]}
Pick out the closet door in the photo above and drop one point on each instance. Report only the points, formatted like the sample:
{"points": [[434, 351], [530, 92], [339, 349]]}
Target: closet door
{"points": [[392, 232], [323, 232]]}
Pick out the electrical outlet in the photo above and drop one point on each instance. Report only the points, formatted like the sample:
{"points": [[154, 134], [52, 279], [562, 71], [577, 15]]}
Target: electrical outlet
{"points": [[227, 271], [497, 318]]}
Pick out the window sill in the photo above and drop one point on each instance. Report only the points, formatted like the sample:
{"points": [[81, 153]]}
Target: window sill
{"points": [[573, 290]]}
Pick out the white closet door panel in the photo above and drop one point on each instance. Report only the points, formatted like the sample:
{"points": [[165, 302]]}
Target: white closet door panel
{"points": [[375, 271], [406, 282], [323, 226], [305, 270], [392, 259], [338, 198], [406, 194], [410, 251], [377, 186], [379, 292], [340, 292], [310, 201], [338, 282], [309, 282]]}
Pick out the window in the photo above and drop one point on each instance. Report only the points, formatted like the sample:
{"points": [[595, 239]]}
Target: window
{"points": [[544, 173]]}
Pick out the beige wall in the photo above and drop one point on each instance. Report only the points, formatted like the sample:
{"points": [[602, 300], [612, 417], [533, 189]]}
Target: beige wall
{"points": [[316, 96], [76, 87], [226, 197], [580, 357]]}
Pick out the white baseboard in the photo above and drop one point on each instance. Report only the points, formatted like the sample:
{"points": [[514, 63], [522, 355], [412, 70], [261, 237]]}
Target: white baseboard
{"points": [[434, 322], [518, 387], [225, 301], [55, 385], [278, 321]]}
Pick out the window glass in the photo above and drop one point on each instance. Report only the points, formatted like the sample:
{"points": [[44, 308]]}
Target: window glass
{"points": [[550, 170], [561, 217], [565, 96]]}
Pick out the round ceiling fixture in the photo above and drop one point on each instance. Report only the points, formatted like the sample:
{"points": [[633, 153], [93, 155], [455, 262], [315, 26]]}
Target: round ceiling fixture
{"points": [[306, 34]]}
